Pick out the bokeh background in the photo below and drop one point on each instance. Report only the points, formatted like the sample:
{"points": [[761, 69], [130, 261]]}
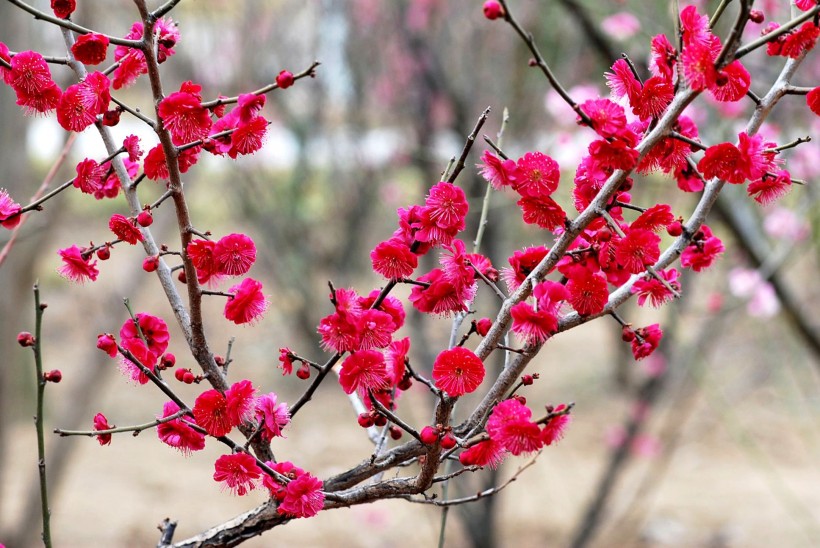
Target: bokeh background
{"points": [[714, 441]]}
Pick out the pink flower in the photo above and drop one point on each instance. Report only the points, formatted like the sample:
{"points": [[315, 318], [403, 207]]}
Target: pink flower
{"points": [[101, 423], [510, 426], [107, 344], [248, 302], [638, 249], [440, 296], [8, 210], [485, 453], [536, 326], [395, 358], [81, 103], [211, 413], [702, 251], [303, 497], [184, 116], [91, 48], [588, 293], [201, 253], [522, 263], [813, 100], [234, 254], [608, 118], [240, 401], [286, 360], [272, 417], [393, 259], [542, 211], [141, 354], [132, 147], [153, 328], [446, 207], [364, 370], [238, 471], [458, 371], [77, 267], [177, 433], [554, 428], [646, 341], [89, 176], [651, 288], [621, 26], [499, 173], [248, 137], [375, 329], [125, 229], [770, 188]]}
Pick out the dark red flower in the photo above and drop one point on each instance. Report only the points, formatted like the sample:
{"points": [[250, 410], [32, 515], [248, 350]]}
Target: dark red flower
{"points": [[91, 48], [63, 8]]}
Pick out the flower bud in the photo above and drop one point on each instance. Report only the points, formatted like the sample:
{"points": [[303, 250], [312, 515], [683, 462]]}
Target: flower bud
{"points": [[493, 10], [448, 441], [285, 79], [24, 338], [145, 218], [365, 420], [429, 435], [104, 253], [54, 376], [395, 432], [150, 263], [482, 326]]}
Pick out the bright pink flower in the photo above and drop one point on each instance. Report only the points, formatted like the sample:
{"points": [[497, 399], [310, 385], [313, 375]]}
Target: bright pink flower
{"points": [[8, 210], [29, 74], [364, 370], [800, 40], [731, 83], [375, 329], [608, 118], [725, 162], [132, 147], [248, 137], [211, 413], [303, 497], [542, 211], [805, 5], [125, 229], [101, 423], [536, 175], [91, 48], [234, 254], [89, 176], [63, 8], [77, 266], [395, 359], [699, 66], [238, 471], [178, 433], [410, 220], [107, 344], [339, 332], [813, 100], [447, 206], [240, 401], [201, 253], [184, 116], [454, 264], [510, 426], [248, 302], [390, 304], [695, 27], [499, 173], [393, 259], [646, 341], [554, 429], [132, 61], [664, 58], [286, 360], [458, 371], [638, 249], [702, 250], [769, 188], [248, 105], [81, 103], [588, 293], [485, 453], [153, 328], [651, 288], [535, 326], [656, 218], [441, 296], [272, 416], [522, 263], [143, 355], [615, 154], [688, 179]]}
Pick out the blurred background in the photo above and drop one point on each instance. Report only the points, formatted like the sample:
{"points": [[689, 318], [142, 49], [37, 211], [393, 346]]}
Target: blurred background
{"points": [[713, 441]]}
